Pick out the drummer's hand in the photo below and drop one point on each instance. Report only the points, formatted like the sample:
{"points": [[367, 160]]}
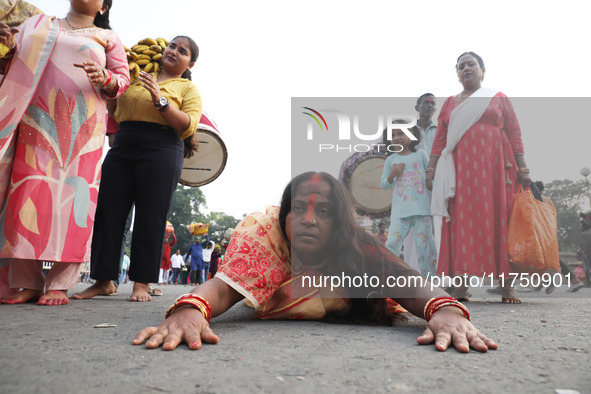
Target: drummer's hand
{"points": [[186, 325], [7, 35], [524, 179], [448, 326], [150, 83]]}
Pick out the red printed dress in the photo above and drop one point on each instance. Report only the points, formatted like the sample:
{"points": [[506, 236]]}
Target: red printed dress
{"points": [[474, 241]]}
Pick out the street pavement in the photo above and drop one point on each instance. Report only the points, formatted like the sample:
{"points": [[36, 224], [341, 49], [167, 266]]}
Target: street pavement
{"points": [[544, 347]]}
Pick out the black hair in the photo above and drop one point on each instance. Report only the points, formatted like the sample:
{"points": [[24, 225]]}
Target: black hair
{"points": [[420, 99], [102, 20], [194, 48], [539, 186], [477, 57]]}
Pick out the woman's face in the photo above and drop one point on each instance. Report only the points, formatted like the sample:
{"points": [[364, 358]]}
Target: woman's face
{"points": [[310, 220], [88, 7], [469, 72], [176, 57]]}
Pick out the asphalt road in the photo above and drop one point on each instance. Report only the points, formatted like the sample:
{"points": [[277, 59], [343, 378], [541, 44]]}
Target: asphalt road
{"points": [[544, 346]]}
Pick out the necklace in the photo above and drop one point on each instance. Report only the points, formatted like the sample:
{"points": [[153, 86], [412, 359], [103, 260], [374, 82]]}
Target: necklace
{"points": [[77, 28]]}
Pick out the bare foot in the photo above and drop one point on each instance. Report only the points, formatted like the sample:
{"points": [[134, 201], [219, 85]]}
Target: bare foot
{"points": [[140, 292], [508, 296], [100, 287], [54, 297], [23, 296]]}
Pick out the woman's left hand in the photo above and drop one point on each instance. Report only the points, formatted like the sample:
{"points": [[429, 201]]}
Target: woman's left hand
{"points": [[524, 179], [150, 83], [94, 72], [448, 327]]}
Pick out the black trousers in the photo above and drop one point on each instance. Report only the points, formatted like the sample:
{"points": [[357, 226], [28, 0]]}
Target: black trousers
{"points": [[143, 167], [195, 277]]}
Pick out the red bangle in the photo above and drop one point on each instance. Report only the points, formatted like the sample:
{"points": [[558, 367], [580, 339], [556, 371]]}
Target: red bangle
{"points": [[107, 82], [195, 301], [434, 304], [109, 78]]}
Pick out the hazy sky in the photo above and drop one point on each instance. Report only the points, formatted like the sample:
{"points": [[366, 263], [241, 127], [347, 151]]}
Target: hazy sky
{"points": [[256, 55]]}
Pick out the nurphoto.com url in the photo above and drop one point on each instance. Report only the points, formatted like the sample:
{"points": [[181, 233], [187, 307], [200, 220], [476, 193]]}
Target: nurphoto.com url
{"points": [[437, 281]]}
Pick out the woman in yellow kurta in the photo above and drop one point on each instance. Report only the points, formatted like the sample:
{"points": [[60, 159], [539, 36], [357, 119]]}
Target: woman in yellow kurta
{"points": [[156, 114]]}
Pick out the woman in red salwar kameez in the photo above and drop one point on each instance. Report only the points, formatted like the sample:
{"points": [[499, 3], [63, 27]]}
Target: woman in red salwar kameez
{"points": [[476, 189]]}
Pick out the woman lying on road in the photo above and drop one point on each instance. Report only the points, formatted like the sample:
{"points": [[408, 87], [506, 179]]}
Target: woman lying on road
{"points": [[316, 220]]}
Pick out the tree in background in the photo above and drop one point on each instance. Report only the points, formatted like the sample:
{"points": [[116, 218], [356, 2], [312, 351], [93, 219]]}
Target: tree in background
{"points": [[219, 223], [188, 206], [570, 198]]}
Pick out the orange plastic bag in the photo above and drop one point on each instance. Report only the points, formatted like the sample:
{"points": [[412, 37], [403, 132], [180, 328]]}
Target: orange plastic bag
{"points": [[533, 237]]}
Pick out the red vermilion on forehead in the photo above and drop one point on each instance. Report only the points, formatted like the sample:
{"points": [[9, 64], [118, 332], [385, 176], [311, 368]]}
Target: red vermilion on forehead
{"points": [[314, 182], [311, 202]]}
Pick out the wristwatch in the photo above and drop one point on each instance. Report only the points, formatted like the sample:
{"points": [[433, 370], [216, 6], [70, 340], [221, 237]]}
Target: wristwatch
{"points": [[162, 104]]}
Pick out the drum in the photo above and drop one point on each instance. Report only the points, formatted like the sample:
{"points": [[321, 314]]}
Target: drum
{"points": [[210, 159], [361, 174]]}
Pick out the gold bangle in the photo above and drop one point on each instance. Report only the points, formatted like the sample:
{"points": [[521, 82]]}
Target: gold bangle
{"points": [[523, 170], [430, 169]]}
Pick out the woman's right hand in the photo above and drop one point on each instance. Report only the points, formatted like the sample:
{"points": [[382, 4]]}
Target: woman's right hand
{"points": [[429, 180], [7, 35], [186, 324]]}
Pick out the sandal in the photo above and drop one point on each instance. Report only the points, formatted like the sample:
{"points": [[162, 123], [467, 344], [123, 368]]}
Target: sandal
{"points": [[154, 291]]}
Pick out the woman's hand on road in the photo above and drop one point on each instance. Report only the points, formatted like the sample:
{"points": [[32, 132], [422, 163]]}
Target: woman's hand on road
{"points": [[186, 324], [448, 326]]}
